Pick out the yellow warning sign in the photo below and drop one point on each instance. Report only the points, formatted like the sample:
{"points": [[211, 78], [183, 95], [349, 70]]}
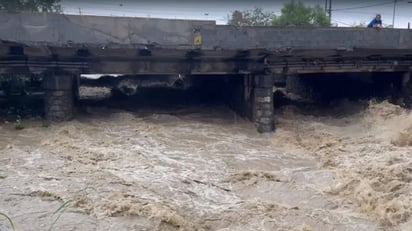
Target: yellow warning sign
{"points": [[198, 40]]}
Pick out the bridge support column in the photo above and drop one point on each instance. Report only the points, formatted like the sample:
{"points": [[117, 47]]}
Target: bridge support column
{"points": [[59, 97], [252, 97], [407, 89], [262, 103]]}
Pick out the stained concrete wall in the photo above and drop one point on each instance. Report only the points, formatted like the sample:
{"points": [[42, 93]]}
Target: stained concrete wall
{"points": [[61, 30], [65, 30]]}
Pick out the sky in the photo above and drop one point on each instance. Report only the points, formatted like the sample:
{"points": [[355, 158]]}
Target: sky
{"points": [[344, 13]]}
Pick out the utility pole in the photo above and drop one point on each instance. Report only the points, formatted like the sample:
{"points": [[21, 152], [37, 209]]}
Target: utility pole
{"points": [[409, 23], [394, 12], [330, 11]]}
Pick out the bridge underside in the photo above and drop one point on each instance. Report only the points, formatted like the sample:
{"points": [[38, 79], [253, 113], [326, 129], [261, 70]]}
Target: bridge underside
{"points": [[60, 48], [147, 61], [251, 97]]}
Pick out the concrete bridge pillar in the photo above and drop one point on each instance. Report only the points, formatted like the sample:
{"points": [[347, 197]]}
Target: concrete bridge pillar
{"points": [[262, 103], [59, 97], [252, 97]]}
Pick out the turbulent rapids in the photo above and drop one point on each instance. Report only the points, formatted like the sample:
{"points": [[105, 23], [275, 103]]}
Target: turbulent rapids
{"points": [[175, 127], [204, 168]]}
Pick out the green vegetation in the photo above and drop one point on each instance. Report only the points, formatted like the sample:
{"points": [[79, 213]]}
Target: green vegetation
{"points": [[59, 212], [18, 125], [30, 5], [293, 14], [9, 220], [297, 14], [255, 17]]}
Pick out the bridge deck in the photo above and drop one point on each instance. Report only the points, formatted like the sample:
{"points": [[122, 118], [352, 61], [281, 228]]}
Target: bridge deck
{"points": [[94, 44]]}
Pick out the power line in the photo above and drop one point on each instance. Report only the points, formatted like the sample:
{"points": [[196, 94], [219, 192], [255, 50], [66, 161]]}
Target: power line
{"points": [[340, 22], [109, 9], [116, 9], [368, 6]]}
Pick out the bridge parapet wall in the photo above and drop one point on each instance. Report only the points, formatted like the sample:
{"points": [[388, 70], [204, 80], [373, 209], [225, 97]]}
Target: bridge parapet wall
{"points": [[312, 38], [71, 30]]}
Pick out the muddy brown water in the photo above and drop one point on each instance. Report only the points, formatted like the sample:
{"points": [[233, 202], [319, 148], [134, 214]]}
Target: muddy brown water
{"points": [[204, 168]]}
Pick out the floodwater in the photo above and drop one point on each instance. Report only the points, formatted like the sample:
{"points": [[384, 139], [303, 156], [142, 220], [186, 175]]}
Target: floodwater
{"points": [[346, 167]]}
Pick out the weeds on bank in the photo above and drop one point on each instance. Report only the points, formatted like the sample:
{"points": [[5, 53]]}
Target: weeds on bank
{"points": [[18, 124], [9, 220], [57, 214]]}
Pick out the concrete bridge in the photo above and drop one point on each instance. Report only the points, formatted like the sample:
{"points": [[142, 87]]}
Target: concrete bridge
{"points": [[61, 47]]}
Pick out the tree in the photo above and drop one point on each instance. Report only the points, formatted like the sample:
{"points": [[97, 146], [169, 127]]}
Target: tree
{"points": [[30, 5], [255, 17], [297, 14]]}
